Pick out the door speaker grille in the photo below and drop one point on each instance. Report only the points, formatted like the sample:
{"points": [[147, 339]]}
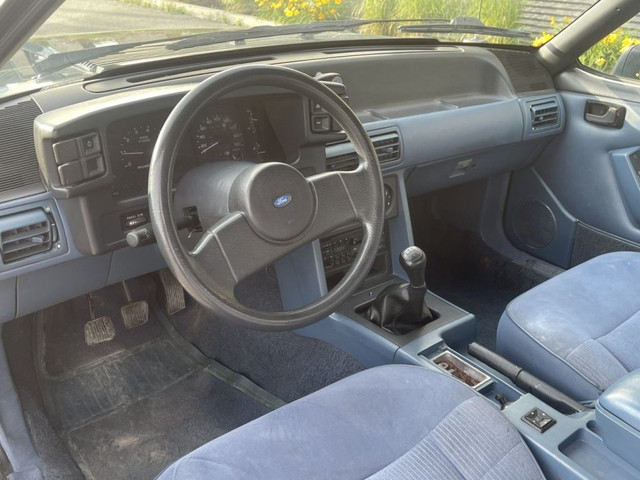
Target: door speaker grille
{"points": [[534, 224]]}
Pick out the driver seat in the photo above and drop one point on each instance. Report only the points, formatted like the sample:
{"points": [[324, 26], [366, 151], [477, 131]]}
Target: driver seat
{"points": [[385, 423]]}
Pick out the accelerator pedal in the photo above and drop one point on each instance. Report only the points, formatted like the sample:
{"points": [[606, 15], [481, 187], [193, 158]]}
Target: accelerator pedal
{"points": [[171, 293], [134, 314], [98, 330]]}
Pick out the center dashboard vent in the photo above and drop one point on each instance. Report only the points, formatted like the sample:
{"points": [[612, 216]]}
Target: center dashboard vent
{"points": [[544, 114], [342, 156], [26, 234]]}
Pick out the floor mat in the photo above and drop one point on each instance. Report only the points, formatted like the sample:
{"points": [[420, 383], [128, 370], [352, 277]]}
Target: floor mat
{"points": [[130, 406], [194, 410], [62, 328], [284, 363]]}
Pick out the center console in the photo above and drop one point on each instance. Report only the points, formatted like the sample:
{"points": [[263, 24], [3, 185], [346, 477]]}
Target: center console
{"points": [[569, 440]]}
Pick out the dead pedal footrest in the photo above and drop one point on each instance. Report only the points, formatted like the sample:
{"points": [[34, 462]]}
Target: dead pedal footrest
{"points": [[171, 295]]}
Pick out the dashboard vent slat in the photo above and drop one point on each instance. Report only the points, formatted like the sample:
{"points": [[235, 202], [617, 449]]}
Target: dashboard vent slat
{"points": [[25, 234], [342, 157], [544, 114]]}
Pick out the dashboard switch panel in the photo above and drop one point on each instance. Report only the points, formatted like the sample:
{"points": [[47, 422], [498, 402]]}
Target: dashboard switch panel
{"points": [[66, 151], [90, 144], [93, 167], [131, 220], [79, 159], [71, 173]]}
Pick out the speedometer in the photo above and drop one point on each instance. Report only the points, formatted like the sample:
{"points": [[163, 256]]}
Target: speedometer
{"points": [[218, 137]]}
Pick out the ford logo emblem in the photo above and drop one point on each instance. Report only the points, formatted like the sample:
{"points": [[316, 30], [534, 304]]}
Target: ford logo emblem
{"points": [[282, 200]]}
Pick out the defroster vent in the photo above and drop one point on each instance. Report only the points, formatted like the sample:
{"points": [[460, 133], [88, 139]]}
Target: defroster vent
{"points": [[342, 156], [26, 234]]}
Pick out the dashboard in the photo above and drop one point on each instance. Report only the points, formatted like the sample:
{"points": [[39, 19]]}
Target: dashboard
{"points": [[226, 131], [77, 161]]}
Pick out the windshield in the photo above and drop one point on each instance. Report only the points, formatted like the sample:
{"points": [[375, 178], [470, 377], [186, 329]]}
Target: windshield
{"points": [[85, 38]]}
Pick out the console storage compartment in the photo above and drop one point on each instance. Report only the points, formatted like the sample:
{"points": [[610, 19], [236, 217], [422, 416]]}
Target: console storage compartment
{"points": [[461, 369]]}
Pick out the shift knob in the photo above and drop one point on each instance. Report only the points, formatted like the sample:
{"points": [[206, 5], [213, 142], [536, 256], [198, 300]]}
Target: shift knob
{"points": [[414, 262]]}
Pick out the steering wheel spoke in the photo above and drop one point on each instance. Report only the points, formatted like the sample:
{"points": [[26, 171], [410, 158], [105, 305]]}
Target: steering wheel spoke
{"points": [[342, 199], [230, 251]]}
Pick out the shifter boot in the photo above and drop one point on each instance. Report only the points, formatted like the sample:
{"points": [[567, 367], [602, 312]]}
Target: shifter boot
{"points": [[401, 308]]}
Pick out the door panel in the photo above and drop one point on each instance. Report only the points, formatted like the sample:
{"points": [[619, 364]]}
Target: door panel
{"points": [[588, 175]]}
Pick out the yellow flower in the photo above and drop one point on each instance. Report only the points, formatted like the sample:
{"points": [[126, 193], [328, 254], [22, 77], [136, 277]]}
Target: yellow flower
{"points": [[600, 62], [553, 22], [544, 38], [627, 43], [321, 16]]}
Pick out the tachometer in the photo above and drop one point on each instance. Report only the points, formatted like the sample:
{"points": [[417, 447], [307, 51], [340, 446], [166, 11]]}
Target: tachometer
{"points": [[218, 137], [134, 150], [136, 146]]}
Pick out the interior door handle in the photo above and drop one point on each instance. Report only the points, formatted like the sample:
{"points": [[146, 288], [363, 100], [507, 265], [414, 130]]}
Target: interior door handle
{"points": [[604, 114]]}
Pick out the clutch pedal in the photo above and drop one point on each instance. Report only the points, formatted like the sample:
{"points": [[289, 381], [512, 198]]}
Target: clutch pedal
{"points": [[171, 295], [98, 330], [134, 314]]}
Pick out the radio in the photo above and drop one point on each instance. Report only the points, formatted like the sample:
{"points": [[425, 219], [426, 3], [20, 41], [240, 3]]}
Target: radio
{"points": [[339, 251]]}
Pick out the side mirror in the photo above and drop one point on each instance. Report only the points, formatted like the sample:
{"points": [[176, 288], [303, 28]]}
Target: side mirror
{"points": [[629, 64]]}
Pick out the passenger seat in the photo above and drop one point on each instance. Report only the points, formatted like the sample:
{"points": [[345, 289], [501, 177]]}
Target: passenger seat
{"points": [[579, 331]]}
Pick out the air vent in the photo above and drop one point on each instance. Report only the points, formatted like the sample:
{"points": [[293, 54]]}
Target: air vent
{"points": [[342, 157], [25, 234], [387, 147], [544, 114]]}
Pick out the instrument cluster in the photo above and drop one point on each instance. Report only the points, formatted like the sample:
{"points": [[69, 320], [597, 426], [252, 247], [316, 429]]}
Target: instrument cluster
{"points": [[227, 131]]}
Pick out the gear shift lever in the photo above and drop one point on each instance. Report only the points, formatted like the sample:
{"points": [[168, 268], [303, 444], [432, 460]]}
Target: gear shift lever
{"points": [[401, 308], [414, 261]]}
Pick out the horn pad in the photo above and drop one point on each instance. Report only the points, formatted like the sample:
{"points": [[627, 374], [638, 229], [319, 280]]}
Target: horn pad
{"points": [[276, 199]]}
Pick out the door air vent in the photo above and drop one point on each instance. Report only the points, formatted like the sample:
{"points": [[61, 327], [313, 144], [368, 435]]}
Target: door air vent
{"points": [[25, 234], [342, 157], [544, 114]]}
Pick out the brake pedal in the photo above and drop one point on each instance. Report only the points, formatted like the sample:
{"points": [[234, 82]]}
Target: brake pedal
{"points": [[134, 314], [98, 330], [171, 295]]}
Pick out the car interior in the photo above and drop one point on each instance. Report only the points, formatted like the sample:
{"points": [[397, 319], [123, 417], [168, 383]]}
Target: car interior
{"points": [[342, 256]]}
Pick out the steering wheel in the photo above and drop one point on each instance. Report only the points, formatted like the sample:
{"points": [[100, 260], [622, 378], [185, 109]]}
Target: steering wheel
{"points": [[262, 211]]}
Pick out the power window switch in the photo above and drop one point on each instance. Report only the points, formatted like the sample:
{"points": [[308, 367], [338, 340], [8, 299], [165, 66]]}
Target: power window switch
{"points": [[539, 420], [71, 173]]}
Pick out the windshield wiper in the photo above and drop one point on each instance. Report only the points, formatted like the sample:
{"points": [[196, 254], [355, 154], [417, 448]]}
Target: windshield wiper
{"points": [[266, 31], [464, 25]]}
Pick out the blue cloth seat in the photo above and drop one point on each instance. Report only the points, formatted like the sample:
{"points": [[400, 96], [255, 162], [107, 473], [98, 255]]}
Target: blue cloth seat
{"points": [[579, 331], [390, 422]]}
